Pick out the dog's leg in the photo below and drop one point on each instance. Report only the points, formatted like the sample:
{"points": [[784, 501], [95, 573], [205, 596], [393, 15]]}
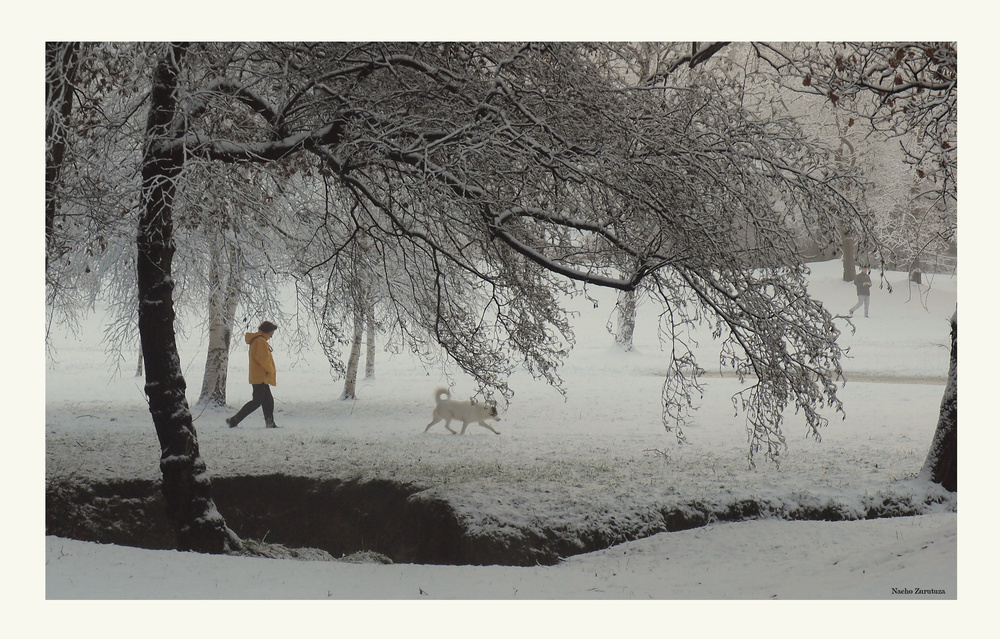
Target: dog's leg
{"points": [[464, 426], [485, 425], [447, 425], [432, 423]]}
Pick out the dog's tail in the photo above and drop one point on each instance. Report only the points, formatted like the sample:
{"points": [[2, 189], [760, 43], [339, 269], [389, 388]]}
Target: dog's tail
{"points": [[441, 391]]}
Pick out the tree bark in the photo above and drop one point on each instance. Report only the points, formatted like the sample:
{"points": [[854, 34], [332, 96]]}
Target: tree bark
{"points": [[186, 486], [61, 63], [351, 380], [850, 256], [941, 466], [626, 320], [847, 158], [223, 295], [370, 342]]}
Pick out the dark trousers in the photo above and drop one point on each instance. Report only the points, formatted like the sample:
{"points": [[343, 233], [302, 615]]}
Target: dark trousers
{"points": [[261, 398]]}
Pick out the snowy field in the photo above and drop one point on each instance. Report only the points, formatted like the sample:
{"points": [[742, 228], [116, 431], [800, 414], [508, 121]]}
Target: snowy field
{"points": [[599, 452]]}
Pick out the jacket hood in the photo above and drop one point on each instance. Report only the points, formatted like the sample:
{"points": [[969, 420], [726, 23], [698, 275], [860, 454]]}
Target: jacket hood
{"points": [[250, 336]]}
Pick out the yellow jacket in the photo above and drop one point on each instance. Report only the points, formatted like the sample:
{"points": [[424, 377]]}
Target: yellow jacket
{"points": [[262, 370]]}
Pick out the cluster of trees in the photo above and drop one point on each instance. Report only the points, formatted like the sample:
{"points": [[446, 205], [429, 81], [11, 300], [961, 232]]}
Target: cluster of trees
{"points": [[905, 92], [449, 195]]}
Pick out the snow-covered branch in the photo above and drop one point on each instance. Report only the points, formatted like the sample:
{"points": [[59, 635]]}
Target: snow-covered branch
{"points": [[193, 144]]}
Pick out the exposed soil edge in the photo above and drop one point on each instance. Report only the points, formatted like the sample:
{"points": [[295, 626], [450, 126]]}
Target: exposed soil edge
{"points": [[397, 520]]}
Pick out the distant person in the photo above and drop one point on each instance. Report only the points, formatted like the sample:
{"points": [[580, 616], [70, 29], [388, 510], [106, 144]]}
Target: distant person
{"points": [[864, 284], [263, 375]]}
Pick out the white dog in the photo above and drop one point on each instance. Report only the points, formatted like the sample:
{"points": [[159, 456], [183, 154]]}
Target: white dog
{"points": [[466, 412]]}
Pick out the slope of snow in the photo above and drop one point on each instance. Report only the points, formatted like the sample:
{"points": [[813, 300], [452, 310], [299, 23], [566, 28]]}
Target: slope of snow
{"points": [[765, 559]]}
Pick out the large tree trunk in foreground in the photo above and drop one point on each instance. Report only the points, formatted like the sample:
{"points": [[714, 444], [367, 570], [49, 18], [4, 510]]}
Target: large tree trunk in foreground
{"points": [[186, 486], [941, 466]]}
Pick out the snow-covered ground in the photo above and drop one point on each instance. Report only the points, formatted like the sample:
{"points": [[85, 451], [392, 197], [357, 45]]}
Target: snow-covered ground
{"points": [[599, 452], [766, 559]]}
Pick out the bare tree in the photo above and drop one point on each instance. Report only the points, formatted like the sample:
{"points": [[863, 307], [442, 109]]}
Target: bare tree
{"points": [[357, 293], [186, 486], [61, 65], [351, 378], [370, 342], [909, 92], [224, 281], [580, 173], [219, 209], [91, 178], [480, 173], [165, 154], [905, 91], [941, 466], [626, 310], [487, 181]]}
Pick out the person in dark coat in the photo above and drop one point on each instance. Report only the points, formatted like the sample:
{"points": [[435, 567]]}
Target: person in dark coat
{"points": [[864, 285]]}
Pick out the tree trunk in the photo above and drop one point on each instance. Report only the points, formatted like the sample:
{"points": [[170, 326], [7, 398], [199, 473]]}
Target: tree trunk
{"points": [[941, 466], [223, 296], [351, 380], [186, 486], [850, 259], [626, 320], [846, 158], [61, 62], [370, 345]]}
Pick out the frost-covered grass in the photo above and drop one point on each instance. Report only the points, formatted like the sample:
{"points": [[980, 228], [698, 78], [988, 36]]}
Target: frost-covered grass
{"points": [[596, 458]]}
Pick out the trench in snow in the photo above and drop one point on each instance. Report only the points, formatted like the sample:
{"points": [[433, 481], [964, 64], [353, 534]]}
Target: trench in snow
{"points": [[343, 517]]}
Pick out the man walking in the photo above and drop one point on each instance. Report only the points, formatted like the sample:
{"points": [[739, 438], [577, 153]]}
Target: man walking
{"points": [[864, 285], [263, 375]]}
